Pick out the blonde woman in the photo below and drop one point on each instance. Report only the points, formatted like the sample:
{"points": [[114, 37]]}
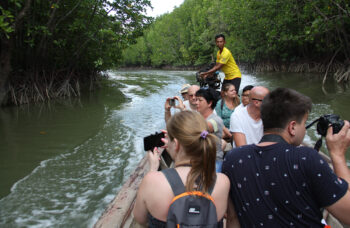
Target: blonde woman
{"points": [[193, 150], [227, 104]]}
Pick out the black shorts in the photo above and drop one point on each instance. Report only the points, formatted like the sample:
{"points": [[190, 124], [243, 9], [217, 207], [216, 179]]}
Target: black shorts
{"points": [[236, 82]]}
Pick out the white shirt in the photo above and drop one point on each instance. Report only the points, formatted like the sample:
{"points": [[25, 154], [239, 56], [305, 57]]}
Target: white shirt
{"points": [[238, 107], [241, 122], [187, 105]]}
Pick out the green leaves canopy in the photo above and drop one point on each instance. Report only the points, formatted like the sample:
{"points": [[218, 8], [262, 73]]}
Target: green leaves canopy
{"points": [[81, 35], [256, 30]]}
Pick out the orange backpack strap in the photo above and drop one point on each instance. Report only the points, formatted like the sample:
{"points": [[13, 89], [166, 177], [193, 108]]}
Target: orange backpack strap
{"points": [[194, 193]]}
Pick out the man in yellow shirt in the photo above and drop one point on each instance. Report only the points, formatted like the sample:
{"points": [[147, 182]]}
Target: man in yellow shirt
{"points": [[226, 63]]}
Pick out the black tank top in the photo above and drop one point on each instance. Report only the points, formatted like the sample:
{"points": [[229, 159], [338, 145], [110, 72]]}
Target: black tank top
{"points": [[155, 223]]}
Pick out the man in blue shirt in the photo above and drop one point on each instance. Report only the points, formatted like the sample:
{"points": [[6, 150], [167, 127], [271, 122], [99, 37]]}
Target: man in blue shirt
{"points": [[278, 183]]}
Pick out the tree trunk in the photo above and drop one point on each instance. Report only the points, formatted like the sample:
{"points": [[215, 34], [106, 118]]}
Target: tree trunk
{"points": [[5, 66], [6, 52]]}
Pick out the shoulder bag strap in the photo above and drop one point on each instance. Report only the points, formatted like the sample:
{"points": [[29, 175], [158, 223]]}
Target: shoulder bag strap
{"points": [[174, 180]]}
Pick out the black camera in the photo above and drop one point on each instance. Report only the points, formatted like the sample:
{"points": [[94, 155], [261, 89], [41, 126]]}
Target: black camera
{"points": [[211, 81], [172, 102], [329, 119], [154, 140], [322, 126]]}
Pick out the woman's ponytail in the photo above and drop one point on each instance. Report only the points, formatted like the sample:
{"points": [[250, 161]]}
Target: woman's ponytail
{"points": [[191, 130]]}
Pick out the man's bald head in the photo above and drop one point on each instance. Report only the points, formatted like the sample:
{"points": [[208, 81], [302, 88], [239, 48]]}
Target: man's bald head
{"points": [[193, 89], [259, 91], [192, 94], [257, 94]]}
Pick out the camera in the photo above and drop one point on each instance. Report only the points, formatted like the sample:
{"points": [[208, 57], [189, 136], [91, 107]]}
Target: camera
{"points": [[329, 119], [153, 140], [322, 126], [172, 102]]}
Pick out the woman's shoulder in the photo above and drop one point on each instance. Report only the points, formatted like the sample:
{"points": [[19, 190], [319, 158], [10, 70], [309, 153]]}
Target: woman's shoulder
{"points": [[155, 180], [154, 177], [218, 104], [222, 179], [222, 184]]}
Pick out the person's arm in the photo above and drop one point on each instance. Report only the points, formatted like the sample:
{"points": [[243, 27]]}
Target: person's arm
{"points": [[212, 70], [167, 108], [232, 219], [180, 104], [140, 210], [337, 145], [239, 139], [212, 126], [227, 134]]}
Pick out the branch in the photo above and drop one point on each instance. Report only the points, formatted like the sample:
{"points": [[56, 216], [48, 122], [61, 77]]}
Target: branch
{"points": [[329, 64], [319, 11], [22, 14], [341, 8], [69, 13]]}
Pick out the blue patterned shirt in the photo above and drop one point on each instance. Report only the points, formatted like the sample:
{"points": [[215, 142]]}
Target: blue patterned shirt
{"points": [[281, 185]]}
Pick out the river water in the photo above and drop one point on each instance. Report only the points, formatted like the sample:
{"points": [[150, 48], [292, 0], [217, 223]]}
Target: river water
{"points": [[61, 163]]}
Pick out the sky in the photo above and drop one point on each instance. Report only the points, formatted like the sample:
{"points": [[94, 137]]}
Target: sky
{"points": [[162, 6]]}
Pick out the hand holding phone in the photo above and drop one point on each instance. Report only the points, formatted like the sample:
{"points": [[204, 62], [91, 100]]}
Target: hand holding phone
{"points": [[172, 102]]}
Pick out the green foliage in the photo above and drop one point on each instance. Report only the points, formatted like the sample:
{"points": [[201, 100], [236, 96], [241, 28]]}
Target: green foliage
{"points": [[64, 35], [256, 30], [6, 18]]}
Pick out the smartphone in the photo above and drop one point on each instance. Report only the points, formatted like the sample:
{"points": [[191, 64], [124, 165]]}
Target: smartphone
{"points": [[154, 140], [172, 102]]}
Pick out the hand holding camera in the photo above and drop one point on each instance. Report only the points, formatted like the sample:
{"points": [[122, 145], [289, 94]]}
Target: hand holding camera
{"points": [[174, 102], [330, 125], [156, 155], [338, 143], [153, 140]]}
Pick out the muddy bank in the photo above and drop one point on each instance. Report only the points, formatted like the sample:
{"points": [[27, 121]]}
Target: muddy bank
{"points": [[41, 87], [340, 71]]}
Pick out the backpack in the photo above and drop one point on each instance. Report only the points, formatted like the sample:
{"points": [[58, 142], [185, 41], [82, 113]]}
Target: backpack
{"points": [[189, 209]]}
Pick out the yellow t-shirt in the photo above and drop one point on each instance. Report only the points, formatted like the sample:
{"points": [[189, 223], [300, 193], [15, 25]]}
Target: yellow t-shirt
{"points": [[230, 67]]}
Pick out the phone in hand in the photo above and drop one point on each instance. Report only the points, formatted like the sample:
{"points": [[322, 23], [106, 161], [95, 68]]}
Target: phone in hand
{"points": [[153, 140], [172, 102]]}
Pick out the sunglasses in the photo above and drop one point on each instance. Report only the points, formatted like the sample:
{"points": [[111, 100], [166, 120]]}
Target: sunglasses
{"points": [[256, 99]]}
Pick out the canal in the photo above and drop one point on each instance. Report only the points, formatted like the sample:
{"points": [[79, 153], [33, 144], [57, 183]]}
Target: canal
{"points": [[62, 162]]}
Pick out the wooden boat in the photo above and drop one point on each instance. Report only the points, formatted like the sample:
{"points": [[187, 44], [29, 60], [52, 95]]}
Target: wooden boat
{"points": [[119, 212]]}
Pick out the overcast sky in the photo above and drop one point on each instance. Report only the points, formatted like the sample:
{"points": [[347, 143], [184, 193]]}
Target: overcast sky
{"points": [[162, 6]]}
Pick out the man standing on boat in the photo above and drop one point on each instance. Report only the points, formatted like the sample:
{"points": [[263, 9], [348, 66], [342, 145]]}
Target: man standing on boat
{"points": [[226, 63], [277, 182]]}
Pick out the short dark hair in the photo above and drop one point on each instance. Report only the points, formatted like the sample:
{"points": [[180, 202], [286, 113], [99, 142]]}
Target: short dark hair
{"points": [[246, 88], [283, 105], [210, 95], [220, 35]]}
